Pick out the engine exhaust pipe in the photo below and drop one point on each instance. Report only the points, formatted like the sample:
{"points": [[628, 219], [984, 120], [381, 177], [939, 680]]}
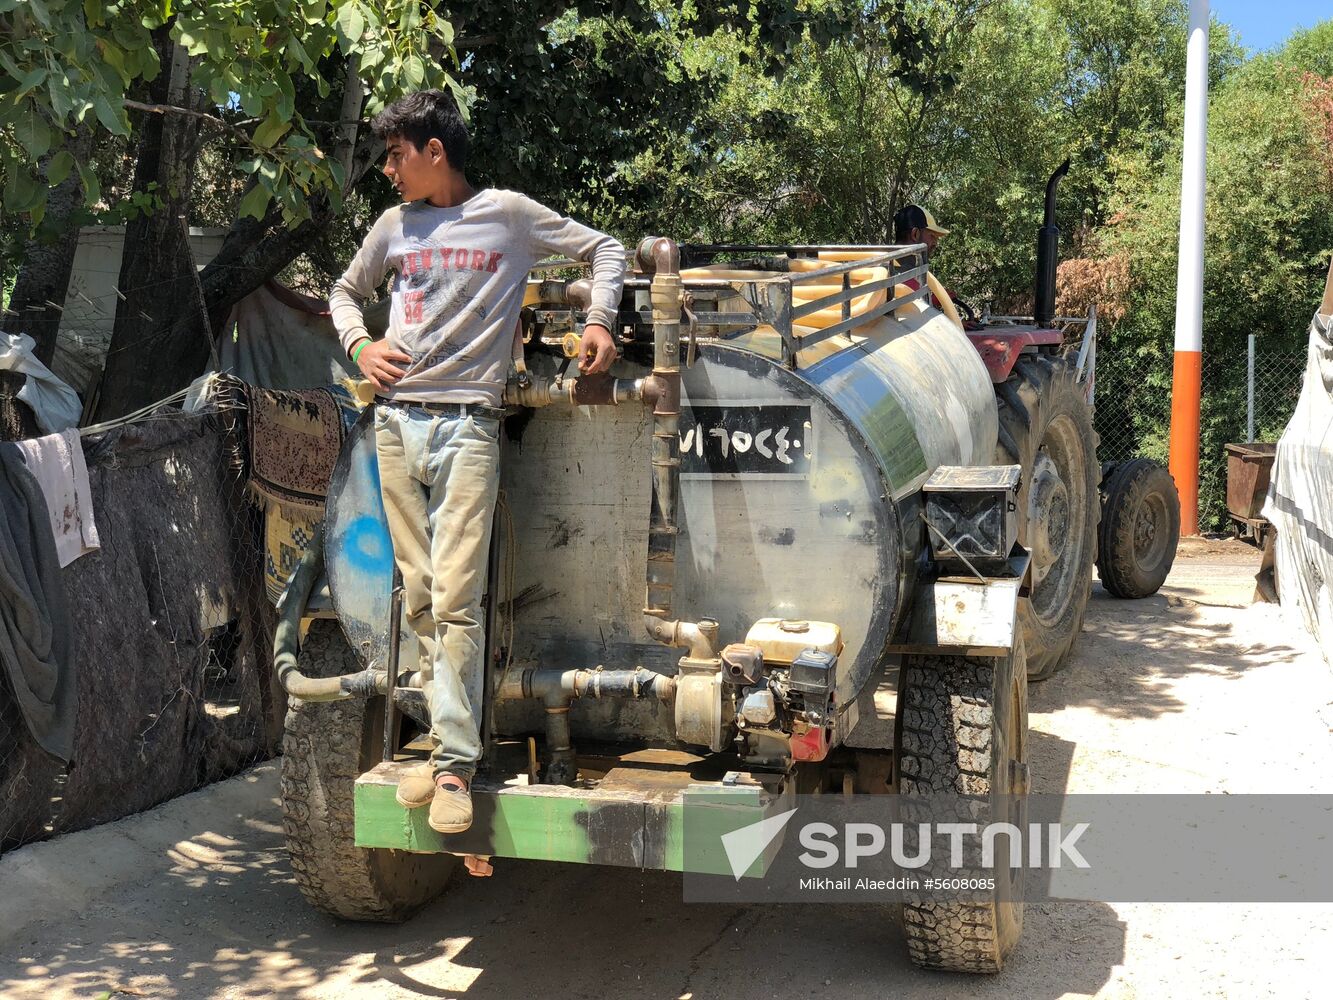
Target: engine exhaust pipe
{"points": [[1048, 247]]}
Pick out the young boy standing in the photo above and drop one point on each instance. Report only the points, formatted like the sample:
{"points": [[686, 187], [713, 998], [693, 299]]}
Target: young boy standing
{"points": [[461, 259]]}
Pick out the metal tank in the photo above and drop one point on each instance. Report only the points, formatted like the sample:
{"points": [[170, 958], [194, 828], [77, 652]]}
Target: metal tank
{"points": [[784, 485], [799, 499]]}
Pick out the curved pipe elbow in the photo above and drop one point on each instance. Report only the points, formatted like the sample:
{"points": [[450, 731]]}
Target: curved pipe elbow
{"points": [[287, 640], [657, 255], [699, 638], [1051, 184], [579, 294]]}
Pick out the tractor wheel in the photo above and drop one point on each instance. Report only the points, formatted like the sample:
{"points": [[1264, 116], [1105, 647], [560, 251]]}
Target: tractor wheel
{"points": [[962, 731], [1140, 529], [326, 747], [1046, 427]]}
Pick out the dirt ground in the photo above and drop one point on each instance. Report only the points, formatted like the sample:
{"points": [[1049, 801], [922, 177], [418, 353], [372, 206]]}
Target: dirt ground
{"points": [[1191, 690]]}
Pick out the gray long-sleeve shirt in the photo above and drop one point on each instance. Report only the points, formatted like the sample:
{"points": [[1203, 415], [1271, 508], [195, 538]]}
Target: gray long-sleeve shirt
{"points": [[460, 277]]}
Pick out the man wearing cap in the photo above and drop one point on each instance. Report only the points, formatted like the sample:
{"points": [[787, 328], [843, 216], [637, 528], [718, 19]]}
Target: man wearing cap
{"points": [[914, 224]]}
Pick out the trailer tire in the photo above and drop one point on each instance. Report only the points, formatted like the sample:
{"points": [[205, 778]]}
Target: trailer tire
{"points": [[326, 746], [1140, 529], [962, 731], [1046, 427]]}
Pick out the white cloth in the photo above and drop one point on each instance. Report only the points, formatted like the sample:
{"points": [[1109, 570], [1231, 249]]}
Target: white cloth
{"points": [[57, 463], [55, 404], [1300, 495]]}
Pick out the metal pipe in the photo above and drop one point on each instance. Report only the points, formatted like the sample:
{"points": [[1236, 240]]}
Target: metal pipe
{"points": [[603, 390], [557, 688], [391, 675], [699, 638], [585, 390], [287, 639], [660, 257], [1048, 245], [560, 687], [563, 768], [578, 294]]}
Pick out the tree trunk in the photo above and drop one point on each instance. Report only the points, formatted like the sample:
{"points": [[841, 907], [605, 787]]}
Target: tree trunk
{"points": [[256, 250], [158, 342], [47, 262], [150, 359]]}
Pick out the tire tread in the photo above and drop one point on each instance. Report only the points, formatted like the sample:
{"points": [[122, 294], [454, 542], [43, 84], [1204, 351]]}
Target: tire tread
{"points": [[323, 749], [1126, 487]]}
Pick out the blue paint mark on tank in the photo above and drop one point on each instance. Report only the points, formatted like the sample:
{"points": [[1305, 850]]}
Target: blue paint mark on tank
{"points": [[366, 546], [358, 552]]}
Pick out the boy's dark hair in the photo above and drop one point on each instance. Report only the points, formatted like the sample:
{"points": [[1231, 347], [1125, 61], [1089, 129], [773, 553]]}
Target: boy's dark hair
{"points": [[909, 217], [423, 116]]}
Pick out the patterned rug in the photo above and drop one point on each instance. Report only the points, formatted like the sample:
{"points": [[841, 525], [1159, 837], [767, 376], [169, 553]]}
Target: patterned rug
{"points": [[295, 437], [288, 532]]}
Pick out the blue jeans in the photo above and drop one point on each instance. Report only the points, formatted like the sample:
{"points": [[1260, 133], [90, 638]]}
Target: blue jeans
{"points": [[439, 476]]}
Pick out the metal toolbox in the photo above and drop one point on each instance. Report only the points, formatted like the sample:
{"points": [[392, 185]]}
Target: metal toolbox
{"points": [[972, 514]]}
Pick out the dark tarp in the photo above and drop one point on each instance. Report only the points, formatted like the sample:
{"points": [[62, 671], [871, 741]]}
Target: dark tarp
{"points": [[36, 650], [172, 631]]}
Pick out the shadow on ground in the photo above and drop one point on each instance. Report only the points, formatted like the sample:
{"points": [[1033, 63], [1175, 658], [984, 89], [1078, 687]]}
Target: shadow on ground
{"points": [[226, 921], [1131, 653]]}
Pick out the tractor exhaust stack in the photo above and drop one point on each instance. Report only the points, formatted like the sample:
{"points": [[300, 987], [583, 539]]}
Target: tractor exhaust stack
{"points": [[1048, 246]]}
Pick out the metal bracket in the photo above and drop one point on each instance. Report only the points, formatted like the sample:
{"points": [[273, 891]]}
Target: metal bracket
{"points": [[967, 616]]}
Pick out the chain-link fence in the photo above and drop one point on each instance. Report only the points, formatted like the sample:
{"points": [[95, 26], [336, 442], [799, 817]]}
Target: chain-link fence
{"points": [[1249, 394], [172, 634], [1274, 387]]}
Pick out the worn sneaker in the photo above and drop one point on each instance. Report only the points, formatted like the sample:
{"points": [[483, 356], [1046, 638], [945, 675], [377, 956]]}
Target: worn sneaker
{"points": [[450, 809], [416, 788]]}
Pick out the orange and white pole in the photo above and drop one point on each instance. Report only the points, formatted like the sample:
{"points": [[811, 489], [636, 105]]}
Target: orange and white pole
{"points": [[1187, 382]]}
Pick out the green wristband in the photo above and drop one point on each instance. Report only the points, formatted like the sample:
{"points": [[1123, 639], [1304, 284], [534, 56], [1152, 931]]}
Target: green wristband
{"points": [[356, 351]]}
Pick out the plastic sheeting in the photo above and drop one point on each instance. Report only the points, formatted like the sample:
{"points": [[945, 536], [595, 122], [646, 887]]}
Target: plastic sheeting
{"points": [[55, 404], [1300, 495]]}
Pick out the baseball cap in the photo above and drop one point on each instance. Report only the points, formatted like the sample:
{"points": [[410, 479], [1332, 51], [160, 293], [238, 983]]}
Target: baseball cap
{"points": [[932, 225], [911, 217]]}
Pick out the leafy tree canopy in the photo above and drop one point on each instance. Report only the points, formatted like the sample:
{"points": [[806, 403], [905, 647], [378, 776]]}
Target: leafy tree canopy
{"points": [[68, 62]]}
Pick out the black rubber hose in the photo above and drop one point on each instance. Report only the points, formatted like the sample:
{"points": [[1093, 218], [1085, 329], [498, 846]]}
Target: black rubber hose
{"points": [[287, 639]]}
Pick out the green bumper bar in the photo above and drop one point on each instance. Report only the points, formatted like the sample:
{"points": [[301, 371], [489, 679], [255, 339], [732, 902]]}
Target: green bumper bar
{"points": [[632, 817]]}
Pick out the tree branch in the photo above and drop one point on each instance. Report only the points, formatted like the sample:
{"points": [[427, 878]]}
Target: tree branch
{"points": [[172, 109]]}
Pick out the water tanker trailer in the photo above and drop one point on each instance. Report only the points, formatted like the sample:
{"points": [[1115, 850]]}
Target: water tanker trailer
{"points": [[807, 534]]}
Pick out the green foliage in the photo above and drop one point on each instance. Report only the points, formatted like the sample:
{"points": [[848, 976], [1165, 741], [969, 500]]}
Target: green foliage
{"points": [[571, 95], [64, 62], [604, 107], [966, 107], [1268, 237]]}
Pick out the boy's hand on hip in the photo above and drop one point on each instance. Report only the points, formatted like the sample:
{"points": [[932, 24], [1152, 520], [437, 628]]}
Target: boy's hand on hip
{"points": [[597, 349], [375, 362]]}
